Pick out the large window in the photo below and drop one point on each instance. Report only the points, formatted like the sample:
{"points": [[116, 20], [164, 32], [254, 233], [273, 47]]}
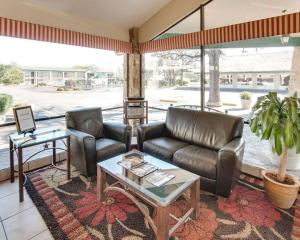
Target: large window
{"points": [[172, 77], [250, 72], [54, 78]]}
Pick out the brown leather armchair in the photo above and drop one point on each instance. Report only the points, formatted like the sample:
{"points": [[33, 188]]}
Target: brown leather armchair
{"points": [[93, 140], [205, 143]]}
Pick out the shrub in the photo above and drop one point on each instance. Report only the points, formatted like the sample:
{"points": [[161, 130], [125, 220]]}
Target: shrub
{"points": [[5, 102], [60, 89], [162, 83], [184, 82], [10, 74], [245, 95], [76, 88]]}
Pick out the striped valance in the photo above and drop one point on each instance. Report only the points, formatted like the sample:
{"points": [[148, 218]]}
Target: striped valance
{"points": [[256, 29], [20, 29]]}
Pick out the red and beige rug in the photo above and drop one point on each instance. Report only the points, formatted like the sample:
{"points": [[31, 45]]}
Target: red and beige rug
{"points": [[71, 211]]}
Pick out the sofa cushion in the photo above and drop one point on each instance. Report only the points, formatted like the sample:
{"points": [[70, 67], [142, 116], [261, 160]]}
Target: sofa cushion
{"points": [[107, 148], [208, 129], [199, 160], [86, 120], [215, 130], [180, 123], [163, 147]]}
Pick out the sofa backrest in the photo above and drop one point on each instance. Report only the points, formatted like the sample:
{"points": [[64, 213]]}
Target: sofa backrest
{"points": [[212, 130], [88, 120]]}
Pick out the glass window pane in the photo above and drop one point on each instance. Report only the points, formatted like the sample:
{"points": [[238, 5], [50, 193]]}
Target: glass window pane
{"points": [[54, 78], [232, 70], [172, 77]]}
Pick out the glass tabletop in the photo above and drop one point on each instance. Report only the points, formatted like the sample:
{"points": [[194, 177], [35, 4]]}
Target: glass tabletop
{"points": [[39, 136], [163, 195]]}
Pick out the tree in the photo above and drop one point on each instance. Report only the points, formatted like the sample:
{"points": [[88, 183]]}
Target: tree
{"points": [[186, 56], [169, 76], [214, 99], [10, 74]]}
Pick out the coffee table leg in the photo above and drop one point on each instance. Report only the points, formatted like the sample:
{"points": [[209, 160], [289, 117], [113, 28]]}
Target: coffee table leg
{"points": [[195, 199], [101, 180], [162, 223]]}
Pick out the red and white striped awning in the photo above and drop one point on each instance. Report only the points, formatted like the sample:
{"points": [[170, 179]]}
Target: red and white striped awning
{"points": [[269, 27], [20, 29]]}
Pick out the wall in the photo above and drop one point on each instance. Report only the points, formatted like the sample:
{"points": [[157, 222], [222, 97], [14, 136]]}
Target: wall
{"points": [[167, 16]]}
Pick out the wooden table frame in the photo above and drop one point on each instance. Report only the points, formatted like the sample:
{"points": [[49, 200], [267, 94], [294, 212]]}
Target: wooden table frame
{"points": [[161, 226], [19, 151]]}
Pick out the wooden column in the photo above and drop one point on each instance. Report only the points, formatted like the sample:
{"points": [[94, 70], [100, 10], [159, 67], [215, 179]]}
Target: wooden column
{"points": [[134, 86]]}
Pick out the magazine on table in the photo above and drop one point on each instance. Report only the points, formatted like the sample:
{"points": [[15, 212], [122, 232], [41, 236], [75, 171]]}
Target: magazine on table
{"points": [[131, 160], [143, 169], [159, 178]]}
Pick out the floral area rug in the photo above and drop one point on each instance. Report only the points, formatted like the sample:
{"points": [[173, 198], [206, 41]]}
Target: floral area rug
{"points": [[71, 211]]}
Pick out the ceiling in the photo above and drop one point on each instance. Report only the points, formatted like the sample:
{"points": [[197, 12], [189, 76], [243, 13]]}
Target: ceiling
{"points": [[220, 13], [122, 13], [113, 18]]}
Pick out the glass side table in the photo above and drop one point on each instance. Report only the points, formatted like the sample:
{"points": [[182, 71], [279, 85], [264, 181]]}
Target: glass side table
{"points": [[45, 136]]}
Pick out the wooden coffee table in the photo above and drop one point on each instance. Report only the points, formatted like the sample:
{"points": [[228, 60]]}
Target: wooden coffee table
{"points": [[158, 197]]}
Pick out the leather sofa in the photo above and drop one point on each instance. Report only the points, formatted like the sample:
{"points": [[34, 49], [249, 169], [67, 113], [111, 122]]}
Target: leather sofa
{"points": [[93, 140], [205, 143]]}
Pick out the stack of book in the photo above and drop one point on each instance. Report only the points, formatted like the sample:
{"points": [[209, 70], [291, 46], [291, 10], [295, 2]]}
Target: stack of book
{"points": [[134, 164]]}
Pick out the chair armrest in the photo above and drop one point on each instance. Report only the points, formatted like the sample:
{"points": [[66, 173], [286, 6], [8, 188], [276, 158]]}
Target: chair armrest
{"points": [[149, 131], [83, 152], [229, 165], [119, 132]]}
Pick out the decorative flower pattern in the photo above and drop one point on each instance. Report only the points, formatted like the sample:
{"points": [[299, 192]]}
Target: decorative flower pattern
{"points": [[202, 228], [250, 206], [247, 214], [115, 206]]}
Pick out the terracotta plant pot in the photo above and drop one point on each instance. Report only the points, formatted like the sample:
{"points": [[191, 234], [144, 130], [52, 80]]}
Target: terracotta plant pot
{"points": [[280, 195]]}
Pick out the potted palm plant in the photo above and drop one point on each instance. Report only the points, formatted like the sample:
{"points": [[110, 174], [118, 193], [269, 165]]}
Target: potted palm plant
{"points": [[278, 120]]}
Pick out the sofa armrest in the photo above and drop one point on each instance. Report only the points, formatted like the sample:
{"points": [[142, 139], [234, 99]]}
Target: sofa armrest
{"points": [[83, 152], [119, 132], [229, 165], [149, 131]]}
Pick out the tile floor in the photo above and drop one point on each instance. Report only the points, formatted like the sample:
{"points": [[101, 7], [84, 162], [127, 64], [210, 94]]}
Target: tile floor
{"points": [[19, 221]]}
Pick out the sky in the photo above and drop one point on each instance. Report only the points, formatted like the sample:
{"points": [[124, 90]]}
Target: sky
{"points": [[43, 54]]}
